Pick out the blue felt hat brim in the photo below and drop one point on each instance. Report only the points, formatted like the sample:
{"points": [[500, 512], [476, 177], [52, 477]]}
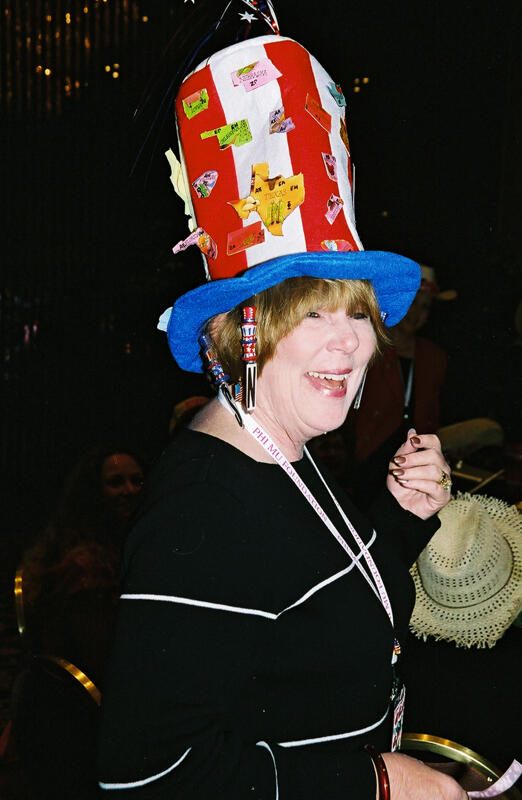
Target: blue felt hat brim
{"points": [[395, 280]]}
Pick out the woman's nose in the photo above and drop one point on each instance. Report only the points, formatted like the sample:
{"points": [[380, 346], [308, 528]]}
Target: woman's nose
{"points": [[344, 337]]}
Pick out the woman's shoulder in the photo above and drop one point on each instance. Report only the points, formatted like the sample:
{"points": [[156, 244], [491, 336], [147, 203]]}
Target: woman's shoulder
{"points": [[195, 459], [198, 484], [199, 533]]}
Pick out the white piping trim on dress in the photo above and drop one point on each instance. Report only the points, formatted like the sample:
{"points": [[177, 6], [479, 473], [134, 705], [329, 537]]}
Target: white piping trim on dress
{"points": [[332, 578], [336, 736], [170, 598], [267, 747], [135, 784]]}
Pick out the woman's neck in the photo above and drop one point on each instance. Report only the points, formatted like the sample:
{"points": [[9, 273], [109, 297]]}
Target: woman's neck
{"points": [[291, 447], [216, 421]]}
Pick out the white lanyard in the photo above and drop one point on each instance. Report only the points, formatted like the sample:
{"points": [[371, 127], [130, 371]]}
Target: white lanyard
{"points": [[271, 448], [409, 386]]}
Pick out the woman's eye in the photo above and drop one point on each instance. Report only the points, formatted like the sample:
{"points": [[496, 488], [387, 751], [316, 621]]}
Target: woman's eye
{"points": [[312, 314], [359, 315]]}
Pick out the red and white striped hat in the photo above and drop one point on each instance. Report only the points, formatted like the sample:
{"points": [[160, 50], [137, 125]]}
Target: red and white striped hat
{"points": [[265, 171]]}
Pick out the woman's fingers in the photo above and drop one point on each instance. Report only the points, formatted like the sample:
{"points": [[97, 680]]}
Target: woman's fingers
{"points": [[428, 472], [420, 443], [425, 441], [423, 464], [426, 487], [419, 476], [420, 457]]}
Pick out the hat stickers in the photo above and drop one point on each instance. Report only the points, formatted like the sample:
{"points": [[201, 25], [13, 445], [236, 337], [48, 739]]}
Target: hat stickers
{"points": [[195, 103], [318, 113], [273, 198], [237, 133], [278, 122], [267, 113], [205, 183], [255, 75]]}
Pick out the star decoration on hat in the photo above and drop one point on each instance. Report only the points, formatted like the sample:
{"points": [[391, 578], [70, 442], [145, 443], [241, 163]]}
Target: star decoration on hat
{"points": [[248, 17], [266, 10]]}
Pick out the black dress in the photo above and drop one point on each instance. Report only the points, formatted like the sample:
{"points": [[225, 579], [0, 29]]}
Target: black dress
{"points": [[251, 657]]}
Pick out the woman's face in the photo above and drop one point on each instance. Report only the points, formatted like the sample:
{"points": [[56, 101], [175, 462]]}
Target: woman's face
{"points": [[122, 481], [309, 384]]}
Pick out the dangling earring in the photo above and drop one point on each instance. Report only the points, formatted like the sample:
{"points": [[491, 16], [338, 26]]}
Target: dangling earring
{"points": [[357, 398], [214, 368], [248, 342]]}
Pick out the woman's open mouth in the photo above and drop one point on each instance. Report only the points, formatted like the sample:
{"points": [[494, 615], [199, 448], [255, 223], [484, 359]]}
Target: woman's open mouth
{"points": [[331, 381]]}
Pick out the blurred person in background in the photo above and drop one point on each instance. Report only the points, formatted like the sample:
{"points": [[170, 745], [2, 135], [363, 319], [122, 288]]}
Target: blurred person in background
{"points": [[68, 583]]}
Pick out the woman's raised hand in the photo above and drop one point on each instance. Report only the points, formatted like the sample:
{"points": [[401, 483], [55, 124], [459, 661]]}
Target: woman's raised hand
{"points": [[418, 475], [412, 780]]}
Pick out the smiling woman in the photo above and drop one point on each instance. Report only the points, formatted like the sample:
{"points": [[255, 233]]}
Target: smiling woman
{"points": [[315, 339], [257, 644], [122, 480], [309, 381]]}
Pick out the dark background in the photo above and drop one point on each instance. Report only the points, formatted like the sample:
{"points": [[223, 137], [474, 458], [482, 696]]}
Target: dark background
{"points": [[86, 251]]}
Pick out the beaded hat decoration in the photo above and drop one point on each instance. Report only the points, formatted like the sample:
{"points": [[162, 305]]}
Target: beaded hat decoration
{"points": [[468, 579], [265, 171]]}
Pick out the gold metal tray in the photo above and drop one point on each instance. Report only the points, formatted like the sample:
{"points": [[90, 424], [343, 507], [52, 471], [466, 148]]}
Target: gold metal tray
{"points": [[456, 752]]}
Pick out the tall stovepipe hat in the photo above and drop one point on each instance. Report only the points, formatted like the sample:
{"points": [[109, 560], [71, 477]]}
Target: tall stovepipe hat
{"points": [[265, 171]]}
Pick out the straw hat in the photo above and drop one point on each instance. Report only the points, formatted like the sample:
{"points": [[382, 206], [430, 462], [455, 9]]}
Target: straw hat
{"points": [[265, 172], [468, 579]]}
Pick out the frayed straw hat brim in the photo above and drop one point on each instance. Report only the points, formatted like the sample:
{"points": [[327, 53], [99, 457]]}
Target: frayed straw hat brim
{"points": [[481, 622]]}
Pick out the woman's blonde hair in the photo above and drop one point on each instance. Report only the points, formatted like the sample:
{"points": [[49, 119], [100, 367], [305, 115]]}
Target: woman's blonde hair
{"points": [[281, 308]]}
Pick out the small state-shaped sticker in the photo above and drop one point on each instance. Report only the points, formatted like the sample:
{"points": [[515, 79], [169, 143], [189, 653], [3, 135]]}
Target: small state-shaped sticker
{"points": [[205, 183], [343, 131], [337, 93], [318, 113], [202, 239], [278, 123], [334, 205], [330, 163], [255, 75], [195, 103], [340, 245], [272, 198], [235, 133], [245, 237]]}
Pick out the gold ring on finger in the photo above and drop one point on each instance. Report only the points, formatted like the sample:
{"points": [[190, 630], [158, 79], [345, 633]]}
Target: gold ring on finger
{"points": [[444, 481]]}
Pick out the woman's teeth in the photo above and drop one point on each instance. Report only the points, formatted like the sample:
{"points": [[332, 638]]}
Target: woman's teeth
{"points": [[327, 376]]}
